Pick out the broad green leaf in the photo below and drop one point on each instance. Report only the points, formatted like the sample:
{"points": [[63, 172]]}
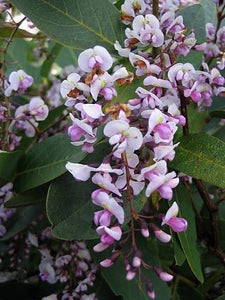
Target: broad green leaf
{"points": [[70, 210], [188, 238], [78, 24], [220, 113], [8, 164], [210, 11], [69, 205], [30, 197], [47, 65], [194, 18], [201, 156], [67, 56], [21, 220], [46, 161]]}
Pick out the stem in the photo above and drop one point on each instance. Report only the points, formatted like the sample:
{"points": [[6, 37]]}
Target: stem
{"points": [[155, 11], [129, 198], [183, 108], [213, 218]]}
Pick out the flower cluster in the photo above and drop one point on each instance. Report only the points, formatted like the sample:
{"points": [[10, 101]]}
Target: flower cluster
{"points": [[140, 132], [5, 214]]}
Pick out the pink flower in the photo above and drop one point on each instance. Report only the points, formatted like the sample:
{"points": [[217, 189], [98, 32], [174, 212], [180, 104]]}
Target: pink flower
{"points": [[98, 57], [102, 198], [18, 81], [177, 224]]}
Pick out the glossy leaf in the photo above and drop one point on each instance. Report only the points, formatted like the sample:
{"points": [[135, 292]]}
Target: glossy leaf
{"points": [[194, 18], [201, 156], [8, 164], [74, 23], [69, 205], [30, 197], [46, 161], [70, 209], [188, 238]]}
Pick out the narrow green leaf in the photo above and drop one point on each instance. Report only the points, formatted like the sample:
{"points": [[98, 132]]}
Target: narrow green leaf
{"points": [[178, 253], [201, 156], [220, 113], [188, 238], [46, 67], [30, 197], [194, 18], [74, 23], [46, 161], [8, 164], [70, 210]]}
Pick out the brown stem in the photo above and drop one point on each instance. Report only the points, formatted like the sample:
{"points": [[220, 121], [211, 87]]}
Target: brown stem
{"points": [[183, 108], [212, 213], [129, 199], [155, 11]]}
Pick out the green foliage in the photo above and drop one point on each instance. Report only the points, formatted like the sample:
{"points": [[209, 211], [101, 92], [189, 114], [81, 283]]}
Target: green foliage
{"points": [[46, 161], [70, 209], [188, 238], [78, 24], [8, 164], [194, 18], [201, 156]]}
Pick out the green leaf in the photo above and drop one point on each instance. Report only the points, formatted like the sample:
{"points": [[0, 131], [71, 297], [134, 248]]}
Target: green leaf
{"points": [[178, 253], [30, 197], [196, 120], [210, 11], [195, 57], [194, 18], [47, 65], [74, 23], [220, 113], [188, 238], [69, 205], [46, 161], [70, 210], [21, 220], [8, 164], [201, 156]]}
